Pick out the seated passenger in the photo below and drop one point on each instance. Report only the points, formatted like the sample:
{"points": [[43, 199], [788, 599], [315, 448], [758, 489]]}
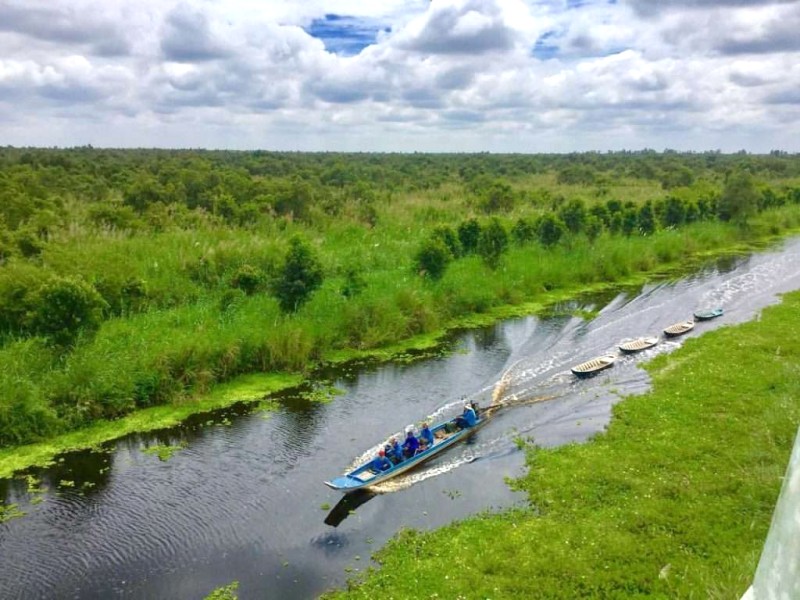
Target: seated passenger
{"points": [[468, 418], [426, 435], [423, 445], [411, 445], [394, 451], [380, 462]]}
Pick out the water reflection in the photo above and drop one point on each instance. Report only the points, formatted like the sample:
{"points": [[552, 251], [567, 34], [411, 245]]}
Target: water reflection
{"points": [[347, 505]]}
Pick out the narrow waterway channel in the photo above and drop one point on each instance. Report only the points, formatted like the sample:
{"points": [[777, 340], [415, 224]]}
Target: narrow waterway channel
{"points": [[244, 498]]}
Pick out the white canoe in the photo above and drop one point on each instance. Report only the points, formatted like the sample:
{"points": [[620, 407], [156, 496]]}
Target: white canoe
{"points": [[639, 344], [679, 328], [591, 367]]}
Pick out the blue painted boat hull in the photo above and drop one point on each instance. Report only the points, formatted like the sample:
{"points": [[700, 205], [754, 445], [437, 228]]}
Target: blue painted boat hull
{"points": [[363, 477]]}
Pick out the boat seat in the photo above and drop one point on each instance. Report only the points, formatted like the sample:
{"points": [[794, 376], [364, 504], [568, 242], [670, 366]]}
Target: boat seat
{"points": [[364, 476]]}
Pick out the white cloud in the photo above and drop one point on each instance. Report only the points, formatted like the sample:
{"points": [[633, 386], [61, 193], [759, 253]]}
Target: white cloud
{"points": [[441, 75]]}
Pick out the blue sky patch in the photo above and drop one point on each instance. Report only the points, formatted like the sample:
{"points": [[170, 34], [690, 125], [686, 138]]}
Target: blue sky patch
{"points": [[545, 47], [344, 34]]}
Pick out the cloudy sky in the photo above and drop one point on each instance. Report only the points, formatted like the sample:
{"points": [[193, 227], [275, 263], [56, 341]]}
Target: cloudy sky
{"points": [[402, 75]]}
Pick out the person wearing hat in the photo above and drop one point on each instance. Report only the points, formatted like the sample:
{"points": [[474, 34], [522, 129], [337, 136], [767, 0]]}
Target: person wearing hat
{"points": [[411, 445], [468, 418], [394, 452], [380, 462], [426, 435]]}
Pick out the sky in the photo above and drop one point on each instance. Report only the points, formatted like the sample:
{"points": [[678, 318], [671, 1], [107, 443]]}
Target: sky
{"points": [[402, 75]]}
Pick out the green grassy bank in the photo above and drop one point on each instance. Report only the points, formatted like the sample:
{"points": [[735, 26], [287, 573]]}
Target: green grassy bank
{"points": [[673, 501], [245, 388]]}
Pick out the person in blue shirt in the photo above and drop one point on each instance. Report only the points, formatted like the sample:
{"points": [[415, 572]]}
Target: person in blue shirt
{"points": [[380, 462], [411, 445], [426, 435], [468, 418], [394, 451]]}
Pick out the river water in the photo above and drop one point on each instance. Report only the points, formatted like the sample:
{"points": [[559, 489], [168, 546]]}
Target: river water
{"points": [[244, 498]]}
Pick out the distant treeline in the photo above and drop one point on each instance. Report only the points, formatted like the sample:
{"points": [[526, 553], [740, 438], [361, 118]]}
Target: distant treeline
{"points": [[134, 277]]}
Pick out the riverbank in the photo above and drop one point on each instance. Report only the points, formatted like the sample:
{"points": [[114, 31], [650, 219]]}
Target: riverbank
{"points": [[255, 386], [673, 500], [248, 388]]}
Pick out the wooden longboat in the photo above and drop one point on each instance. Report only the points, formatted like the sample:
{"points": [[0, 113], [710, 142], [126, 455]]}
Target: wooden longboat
{"points": [[364, 476], [590, 367], [679, 328], [639, 344]]}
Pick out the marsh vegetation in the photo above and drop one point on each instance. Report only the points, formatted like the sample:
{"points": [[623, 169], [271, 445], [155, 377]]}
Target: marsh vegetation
{"points": [[134, 279]]}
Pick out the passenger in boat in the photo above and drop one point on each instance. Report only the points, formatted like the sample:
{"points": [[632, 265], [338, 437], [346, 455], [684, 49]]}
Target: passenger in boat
{"points": [[426, 436], [423, 445], [468, 418], [380, 462], [411, 445], [394, 451]]}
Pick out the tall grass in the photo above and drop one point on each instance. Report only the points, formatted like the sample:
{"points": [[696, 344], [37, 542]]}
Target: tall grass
{"points": [[193, 333]]}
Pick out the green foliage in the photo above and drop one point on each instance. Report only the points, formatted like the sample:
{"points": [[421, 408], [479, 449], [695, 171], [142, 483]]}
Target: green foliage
{"points": [[469, 232], [492, 243], [739, 198], [551, 230], [354, 283], [449, 238], [630, 220], [248, 279], [674, 212], [228, 592], [498, 197], [646, 219], [573, 215], [593, 227], [63, 308], [523, 231], [432, 258], [161, 235], [299, 277]]}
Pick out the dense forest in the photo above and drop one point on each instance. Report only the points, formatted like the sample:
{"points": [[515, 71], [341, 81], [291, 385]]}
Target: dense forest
{"points": [[130, 278]]}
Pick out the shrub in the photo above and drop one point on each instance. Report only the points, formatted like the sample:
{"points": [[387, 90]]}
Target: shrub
{"points": [[573, 215], [248, 279], [493, 243], [469, 232], [432, 258], [449, 238], [65, 307], [551, 230], [300, 275], [523, 231]]}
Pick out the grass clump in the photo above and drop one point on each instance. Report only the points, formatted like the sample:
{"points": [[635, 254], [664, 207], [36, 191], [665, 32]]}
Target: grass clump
{"points": [[673, 501]]}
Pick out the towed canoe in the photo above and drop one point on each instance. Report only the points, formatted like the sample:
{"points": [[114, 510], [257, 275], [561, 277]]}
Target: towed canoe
{"points": [[364, 476], [705, 315], [679, 328], [590, 367], [639, 344]]}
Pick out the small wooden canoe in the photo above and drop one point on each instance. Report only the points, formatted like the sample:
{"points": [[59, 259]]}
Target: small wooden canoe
{"points": [[679, 328], [639, 344], [705, 315], [590, 367]]}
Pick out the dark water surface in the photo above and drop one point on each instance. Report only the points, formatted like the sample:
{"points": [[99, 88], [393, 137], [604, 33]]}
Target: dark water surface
{"points": [[244, 500]]}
